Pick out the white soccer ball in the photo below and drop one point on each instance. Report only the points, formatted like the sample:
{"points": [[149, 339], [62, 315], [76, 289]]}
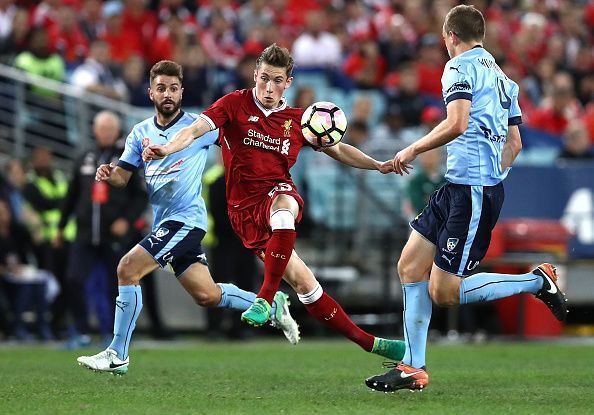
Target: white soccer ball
{"points": [[323, 124]]}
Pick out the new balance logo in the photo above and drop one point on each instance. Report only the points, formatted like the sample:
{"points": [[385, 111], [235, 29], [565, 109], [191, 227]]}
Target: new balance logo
{"points": [[253, 118]]}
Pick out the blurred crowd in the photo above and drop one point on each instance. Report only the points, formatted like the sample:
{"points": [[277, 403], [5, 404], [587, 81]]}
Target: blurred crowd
{"points": [[393, 47], [350, 50]]}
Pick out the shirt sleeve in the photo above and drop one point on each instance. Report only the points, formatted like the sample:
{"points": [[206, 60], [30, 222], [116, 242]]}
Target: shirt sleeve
{"points": [[515, 113], [208, 139], [457, 82], [220, 112], [131, 158]]}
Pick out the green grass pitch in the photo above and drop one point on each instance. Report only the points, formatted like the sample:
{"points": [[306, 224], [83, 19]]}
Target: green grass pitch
{"points": [[316, 377]]}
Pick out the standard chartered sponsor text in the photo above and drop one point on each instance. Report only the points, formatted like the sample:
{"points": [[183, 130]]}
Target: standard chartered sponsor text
{"points": [[257, 139]]}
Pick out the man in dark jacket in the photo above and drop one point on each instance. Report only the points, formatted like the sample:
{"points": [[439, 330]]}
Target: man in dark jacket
{"points": [[105, 218]]}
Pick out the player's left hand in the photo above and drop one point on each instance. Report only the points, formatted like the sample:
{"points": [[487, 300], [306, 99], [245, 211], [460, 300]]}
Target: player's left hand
{"points": [[386, 167], [104, 172], [403, 159]]}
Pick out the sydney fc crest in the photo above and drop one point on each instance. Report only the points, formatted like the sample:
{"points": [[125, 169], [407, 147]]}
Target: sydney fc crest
{"points": [[161, 232], [451, 244]]}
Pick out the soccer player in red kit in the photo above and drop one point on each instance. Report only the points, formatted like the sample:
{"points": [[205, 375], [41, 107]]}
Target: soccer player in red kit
{"points": [[260, 138]]}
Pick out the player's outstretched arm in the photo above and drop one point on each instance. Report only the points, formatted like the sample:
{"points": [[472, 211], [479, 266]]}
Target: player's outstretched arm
{"points": [[180, 140], [511, 148], [352, 156], [112, 174], [447, 130]]}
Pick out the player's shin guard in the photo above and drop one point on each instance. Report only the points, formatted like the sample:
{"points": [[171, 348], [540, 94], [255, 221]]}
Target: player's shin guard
{"points": [[329, 312], [277, 255], [416, 318], [128, 306]]}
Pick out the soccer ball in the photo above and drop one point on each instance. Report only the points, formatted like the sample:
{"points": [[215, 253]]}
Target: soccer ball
{"points": [[323, 124]]}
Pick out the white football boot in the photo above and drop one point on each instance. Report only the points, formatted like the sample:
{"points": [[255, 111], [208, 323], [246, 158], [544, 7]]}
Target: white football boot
{"points": [[282, 319], [105, 361]]}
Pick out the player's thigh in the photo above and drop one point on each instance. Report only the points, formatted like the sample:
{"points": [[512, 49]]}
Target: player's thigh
{"points": [[198, 282], [285, 201], [135, 265], [416, 259], [299, 276]]}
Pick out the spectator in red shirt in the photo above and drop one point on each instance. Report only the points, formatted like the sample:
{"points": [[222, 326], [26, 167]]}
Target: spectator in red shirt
{"points": [[143, 20], [170, 40], [46, 13], [66, 37], [123, 41], [430, 62], [365, 66], [559, 108]]}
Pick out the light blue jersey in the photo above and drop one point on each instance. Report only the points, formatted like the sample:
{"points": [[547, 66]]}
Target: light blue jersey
{"points": [[175, 182], [474, 158]]}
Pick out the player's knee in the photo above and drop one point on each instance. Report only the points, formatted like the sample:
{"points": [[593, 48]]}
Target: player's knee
{"points": [[407, 272], [443, 297], [127, 275], [282, 219], [206, 298]]}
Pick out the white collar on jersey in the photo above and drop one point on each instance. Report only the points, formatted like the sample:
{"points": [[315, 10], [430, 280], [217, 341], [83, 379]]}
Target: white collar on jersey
{"points": [[267, 112]]}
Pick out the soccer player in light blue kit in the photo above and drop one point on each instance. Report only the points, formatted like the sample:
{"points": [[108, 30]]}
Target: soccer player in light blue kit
{"points": [[451, 235], [180, 223]]}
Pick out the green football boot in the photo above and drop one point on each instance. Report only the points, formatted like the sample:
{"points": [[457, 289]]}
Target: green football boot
{"points": [[258, 313]]}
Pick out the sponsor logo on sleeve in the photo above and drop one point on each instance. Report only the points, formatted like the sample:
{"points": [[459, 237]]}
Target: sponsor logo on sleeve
{"points": [[459, 86]]}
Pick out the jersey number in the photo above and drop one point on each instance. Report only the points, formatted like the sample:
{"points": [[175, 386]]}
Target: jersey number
{"points": [[281, 187], [504, 99]]}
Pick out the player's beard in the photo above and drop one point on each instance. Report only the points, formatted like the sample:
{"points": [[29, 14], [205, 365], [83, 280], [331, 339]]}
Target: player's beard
{"points": [[168, 112]]}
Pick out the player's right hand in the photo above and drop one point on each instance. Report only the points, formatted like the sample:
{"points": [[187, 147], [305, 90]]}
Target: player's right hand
{"points": [[104, 171], [154, 152]]}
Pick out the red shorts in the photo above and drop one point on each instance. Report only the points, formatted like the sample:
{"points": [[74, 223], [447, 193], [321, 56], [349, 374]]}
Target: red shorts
{"points": [[252, 224]]}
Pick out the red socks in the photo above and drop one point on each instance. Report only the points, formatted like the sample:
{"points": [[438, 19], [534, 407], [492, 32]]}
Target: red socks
{"points": [[278, 251], [329, 312]]}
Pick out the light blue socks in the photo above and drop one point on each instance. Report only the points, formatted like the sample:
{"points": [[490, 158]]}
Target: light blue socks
{"points": [[237, 299], [416, 317], [489, 286], [128, 306]]}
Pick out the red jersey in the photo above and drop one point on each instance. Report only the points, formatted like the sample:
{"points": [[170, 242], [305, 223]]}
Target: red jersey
{"points": [[259, 146]]}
